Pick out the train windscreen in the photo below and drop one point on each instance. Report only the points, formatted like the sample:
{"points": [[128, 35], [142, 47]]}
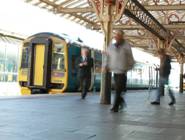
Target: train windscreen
{"points": [[58, 62], [25, 57]]}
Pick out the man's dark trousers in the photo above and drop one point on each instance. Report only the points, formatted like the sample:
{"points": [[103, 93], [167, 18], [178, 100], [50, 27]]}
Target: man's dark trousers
{"points": [[84, 85], [120, 85], [85, 75]]}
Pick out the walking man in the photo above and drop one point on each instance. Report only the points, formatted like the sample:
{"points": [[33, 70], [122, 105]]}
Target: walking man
{"points": [[119, 60], [85, 64], [164, 70]]}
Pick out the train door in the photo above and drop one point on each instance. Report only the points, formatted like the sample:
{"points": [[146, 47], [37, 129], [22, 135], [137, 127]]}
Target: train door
{"points": [[39, 65], [39, 72]]}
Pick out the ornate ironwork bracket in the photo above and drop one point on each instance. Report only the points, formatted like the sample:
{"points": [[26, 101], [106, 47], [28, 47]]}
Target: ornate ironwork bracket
{"points": [[117, 9], [136, 11]]}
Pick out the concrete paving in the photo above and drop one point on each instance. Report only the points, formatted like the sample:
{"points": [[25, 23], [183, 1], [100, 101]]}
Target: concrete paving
{"points": [[57, 117]]}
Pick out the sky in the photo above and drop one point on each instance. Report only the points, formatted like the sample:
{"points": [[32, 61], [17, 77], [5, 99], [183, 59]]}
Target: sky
{"points": [[23, 18]]}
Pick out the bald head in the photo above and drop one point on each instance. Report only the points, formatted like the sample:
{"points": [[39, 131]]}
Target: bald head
{"points": [[84, 52], [119, 36], [120, 32]]}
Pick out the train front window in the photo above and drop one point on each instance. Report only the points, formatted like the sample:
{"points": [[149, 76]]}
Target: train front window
{"points": [[25, 57], [58, 62], [58, 57]]}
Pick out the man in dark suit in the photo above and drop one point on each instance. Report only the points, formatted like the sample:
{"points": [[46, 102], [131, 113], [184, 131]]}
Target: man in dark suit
{"points": [[85, 64]]}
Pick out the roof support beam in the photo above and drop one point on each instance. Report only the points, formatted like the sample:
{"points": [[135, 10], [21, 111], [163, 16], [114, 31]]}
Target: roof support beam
{"points": [[165, 7], [48, 3], [138, 27], [146, 37], [148, 7], [74, 10], [179, 46], [11, 35]]}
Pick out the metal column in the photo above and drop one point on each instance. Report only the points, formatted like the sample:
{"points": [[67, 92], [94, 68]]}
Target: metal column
{"points": [[107, 11], [105, 92]]}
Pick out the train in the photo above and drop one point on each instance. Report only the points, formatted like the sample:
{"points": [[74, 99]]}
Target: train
{"points": [[48, 65]]}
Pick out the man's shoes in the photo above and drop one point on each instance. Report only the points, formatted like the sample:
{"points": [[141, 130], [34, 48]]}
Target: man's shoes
{"points": [[83, 98], [113, 110], [122, 104], [162, 95], [171, 103], [155, 103]]}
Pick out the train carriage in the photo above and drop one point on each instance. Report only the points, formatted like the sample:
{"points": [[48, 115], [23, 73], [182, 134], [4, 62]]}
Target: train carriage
{"points": [[48, 65]]}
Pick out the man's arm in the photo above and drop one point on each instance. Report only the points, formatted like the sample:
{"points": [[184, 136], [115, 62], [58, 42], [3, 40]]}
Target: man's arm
{"points": [[78, 63], [130, 57]]}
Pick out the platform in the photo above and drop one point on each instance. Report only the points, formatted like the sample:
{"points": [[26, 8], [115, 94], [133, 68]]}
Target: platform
{"points": [[58, 117]]}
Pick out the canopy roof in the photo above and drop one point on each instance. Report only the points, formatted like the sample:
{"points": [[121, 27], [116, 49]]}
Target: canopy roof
{"points": [[10, 37], [170, 13]]}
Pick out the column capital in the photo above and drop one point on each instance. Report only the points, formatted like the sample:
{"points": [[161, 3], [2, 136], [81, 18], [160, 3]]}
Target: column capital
{"points": [[160, 44], [102, 7]]}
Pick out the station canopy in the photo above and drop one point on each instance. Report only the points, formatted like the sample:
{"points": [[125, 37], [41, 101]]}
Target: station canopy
{"points": [[10, 37], [169, 13]]}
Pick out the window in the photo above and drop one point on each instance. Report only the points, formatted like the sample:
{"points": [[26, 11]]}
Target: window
{"points": [[9, 60], [58, 57], [58, 47], [25, 57], [58, 62]]}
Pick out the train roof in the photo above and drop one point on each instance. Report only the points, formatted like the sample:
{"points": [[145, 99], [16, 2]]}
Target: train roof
{"points": [[67, 38], [62, 36]]}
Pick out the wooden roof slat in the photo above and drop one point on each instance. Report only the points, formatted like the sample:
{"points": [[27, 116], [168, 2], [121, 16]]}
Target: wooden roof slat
{"points": [[34, 2], [72, 3], [86, 20], [41, 5], [88, 14], [65, 2], [69, 3], [75, 10], [37, 3], [79, 4], [28, 1], [49, 3], [59, 1]]}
